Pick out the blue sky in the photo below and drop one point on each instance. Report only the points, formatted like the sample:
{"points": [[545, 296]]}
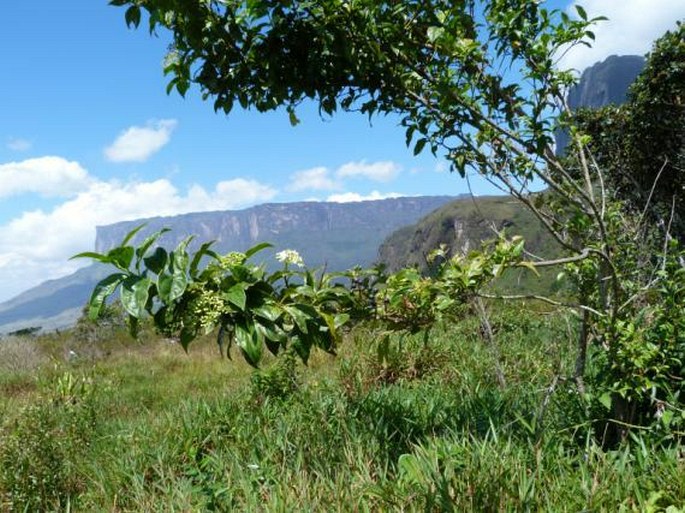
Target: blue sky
{"points": [[88, 135]]}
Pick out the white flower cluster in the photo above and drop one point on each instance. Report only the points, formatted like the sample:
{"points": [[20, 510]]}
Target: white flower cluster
{"points": [[290, 256], [208, 309]]}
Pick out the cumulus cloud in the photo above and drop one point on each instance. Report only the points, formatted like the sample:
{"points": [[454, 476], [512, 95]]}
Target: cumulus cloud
{"points": [[137, 144], [632, 27], [323, 179], [16, 144], [47, 176], [349, 197], [36, 245], [383, 171], [317, 179]]}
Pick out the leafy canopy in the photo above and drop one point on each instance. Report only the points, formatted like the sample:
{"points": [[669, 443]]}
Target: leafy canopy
{"points": [[437, 63]]}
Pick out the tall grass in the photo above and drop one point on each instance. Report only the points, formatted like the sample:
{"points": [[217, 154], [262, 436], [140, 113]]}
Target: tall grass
{"points": [[145, 427]]}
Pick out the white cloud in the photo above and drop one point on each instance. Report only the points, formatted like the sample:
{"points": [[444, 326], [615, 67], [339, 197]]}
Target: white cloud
{"points": [[349, 197], [137, 144], [632, 27], [318, 179], [36, 245], [47, 176], [382, 171], [16, 144]]}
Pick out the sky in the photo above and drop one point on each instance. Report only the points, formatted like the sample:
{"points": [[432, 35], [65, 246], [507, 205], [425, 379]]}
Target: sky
{"points": [[88, 135]]}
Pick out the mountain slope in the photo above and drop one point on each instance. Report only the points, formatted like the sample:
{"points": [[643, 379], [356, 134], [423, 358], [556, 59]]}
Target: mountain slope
{"points": [[462, 225]]}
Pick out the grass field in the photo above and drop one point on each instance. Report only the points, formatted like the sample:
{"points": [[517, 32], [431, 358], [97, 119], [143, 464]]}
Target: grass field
{"points": [[113, 424]]}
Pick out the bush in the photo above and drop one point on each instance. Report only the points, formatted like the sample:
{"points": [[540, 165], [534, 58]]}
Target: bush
{"points": [[41, 448]]}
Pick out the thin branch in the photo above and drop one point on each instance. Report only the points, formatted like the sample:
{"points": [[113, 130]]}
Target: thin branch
{"points": [[544, 299]]}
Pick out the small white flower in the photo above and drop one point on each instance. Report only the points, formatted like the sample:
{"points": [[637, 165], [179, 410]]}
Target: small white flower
{"points": [[290, 256]]}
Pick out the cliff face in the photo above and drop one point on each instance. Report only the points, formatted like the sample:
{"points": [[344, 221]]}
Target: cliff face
{"points": [[601, 84], [339, 235]]}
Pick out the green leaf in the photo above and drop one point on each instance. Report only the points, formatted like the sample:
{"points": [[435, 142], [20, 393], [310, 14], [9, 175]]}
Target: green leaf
{"points": [[132, 16], [203, 251], [581, 12], [605, 400], [132, 234], [171, 286], [133, 326], [250, 343], [434, 33], [95, 256], [134, 295], [268, 311], [298, 317], [418, 148], [121, 257], [302, 348], [149, 241], [179, 256], [256, 249], [236, 295], [294, 120], [157, 261], [102, 291], [188, 334]]}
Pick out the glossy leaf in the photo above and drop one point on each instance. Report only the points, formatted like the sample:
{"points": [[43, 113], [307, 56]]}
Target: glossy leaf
{"points": [[135, 294], [236, 295], [157, 261], [102, 291]]}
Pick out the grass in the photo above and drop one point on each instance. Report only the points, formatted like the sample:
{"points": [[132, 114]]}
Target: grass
{"points": [[142, 426]]}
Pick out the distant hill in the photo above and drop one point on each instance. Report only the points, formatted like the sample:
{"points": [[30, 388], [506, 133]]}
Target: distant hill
{"points": [[462, 225], [338, 235], [604, 83]]}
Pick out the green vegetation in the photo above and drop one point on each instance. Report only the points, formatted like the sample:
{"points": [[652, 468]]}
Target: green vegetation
{"points": [[444, 397], [140, 426]]}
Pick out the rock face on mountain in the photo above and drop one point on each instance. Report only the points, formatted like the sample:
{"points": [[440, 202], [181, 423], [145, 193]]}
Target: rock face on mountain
{"points": [[601, 84], [339, 235]]}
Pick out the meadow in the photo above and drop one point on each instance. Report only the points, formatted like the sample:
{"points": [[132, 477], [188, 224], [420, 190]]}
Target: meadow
{"points": [[93, 420]]}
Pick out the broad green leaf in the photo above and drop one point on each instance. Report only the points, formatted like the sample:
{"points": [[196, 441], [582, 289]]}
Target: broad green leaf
{"points": [[171, 286], [121, 257], [135, 294], [298, 317], [102, 291], [236, 295], [179, 256], [250, 343], [268, 311], [270, 331], [157, 261]]}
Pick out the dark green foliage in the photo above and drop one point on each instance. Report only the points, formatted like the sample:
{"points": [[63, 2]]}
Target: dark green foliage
{"points": [[644, 139]]}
